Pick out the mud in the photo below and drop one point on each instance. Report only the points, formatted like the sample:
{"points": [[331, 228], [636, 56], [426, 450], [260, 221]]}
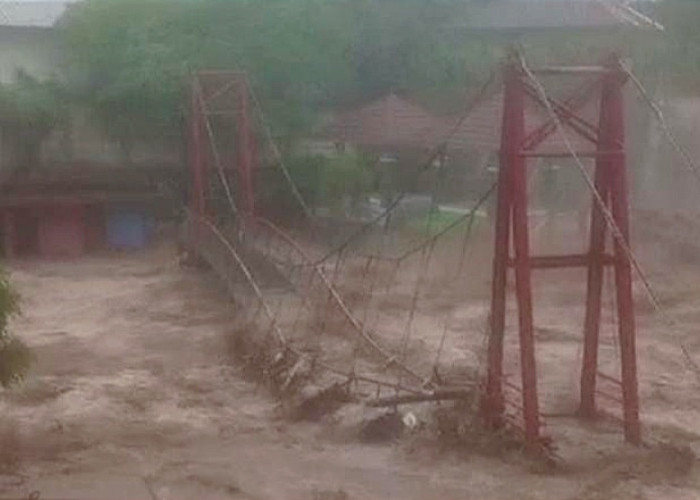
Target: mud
{"points": [[135, 395]]}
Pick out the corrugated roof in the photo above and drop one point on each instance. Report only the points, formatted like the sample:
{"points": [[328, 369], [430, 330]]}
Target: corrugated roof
{"points": [[389, 121], [33, 14], [512, 15]]}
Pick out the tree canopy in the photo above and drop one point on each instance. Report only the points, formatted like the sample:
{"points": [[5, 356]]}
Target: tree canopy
{"points": [[15, 356], [129, 60]]}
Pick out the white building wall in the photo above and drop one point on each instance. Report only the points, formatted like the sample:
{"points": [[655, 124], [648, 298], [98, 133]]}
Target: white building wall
{"points": [[33, 50]]}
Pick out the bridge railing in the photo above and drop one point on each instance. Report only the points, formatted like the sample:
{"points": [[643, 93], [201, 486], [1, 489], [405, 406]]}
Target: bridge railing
{"points": [[225, 252]]}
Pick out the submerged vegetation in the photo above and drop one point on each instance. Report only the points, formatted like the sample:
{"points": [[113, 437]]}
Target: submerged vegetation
{"points": [[15, 356]]}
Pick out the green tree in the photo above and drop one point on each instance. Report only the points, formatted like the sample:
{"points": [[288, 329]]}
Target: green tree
{"points": [[130, 60], [124, 61], [15, 357], [345, 179], [29, 111]]}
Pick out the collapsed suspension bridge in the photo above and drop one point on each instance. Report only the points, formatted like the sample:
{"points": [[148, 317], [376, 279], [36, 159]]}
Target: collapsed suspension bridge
{"points": [[305, 325]]}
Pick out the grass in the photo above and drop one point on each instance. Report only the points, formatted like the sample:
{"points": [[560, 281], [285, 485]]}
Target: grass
{"points": [[437, 221]]}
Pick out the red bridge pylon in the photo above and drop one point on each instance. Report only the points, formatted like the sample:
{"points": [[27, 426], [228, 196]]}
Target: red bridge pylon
{"points": [[605, 83], [222, 95]]}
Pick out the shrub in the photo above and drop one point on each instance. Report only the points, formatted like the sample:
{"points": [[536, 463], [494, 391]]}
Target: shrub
{"points": [[15, 356]]}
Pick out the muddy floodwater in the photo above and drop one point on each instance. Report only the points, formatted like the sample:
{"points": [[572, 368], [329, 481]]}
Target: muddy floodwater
{"points": [[135, 396]]}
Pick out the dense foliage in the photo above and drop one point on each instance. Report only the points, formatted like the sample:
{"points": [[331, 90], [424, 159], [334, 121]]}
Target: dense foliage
{"points": [[29, 111], [130, 59], [15, 357]]}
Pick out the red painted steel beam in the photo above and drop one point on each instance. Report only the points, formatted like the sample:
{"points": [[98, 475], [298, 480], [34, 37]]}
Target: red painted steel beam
{"points": [[567, 154], [609, 396], [619, 202], [521, 244], [493, 403], [513, 386], [563, 261], [567, 116], [609, 378], [571, 70], [229, 86], [594, 288], [575, 101], [562, 109], [244, 143], [512, 209]]}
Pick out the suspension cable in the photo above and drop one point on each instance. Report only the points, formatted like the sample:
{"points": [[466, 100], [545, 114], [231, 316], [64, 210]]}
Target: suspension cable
{"points": [[275, 324], [249, 278], [681, 151], [609, 219], [457, 275], [600, 202], [276, 152], [435, 153], [214, 148], [265, 307], [426, 255], [468, 216]]}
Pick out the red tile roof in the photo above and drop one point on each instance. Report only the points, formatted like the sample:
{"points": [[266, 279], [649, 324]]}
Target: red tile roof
{"points": [[481, 129], [395, 122], [390, 122]]}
